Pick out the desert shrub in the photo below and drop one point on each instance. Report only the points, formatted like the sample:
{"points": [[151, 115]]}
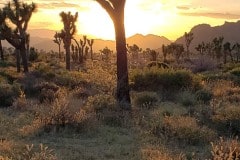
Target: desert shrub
{"points": [[55, 116], [3, 79], [225, 149], [71, 80], [10, 75], [99, 103], [29, 83], [20, 103], [84, 92], [227, 120], [158, 64], [106, 110], [48, 92], [42, 67], [33, 55], [164, 80], [145, 99], [185, 129], [8, 93], [235, 71], [204, 95], [6, 64], [187, 98], [227, 91], [30, 152], [203, 64]]}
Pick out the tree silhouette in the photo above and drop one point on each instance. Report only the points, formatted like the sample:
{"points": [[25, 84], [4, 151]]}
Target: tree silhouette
{"points": [[188, 40], [67, 33], [227, 51], [115, 9], [236, 48], [82, 49], [2, 20], [165, 51], [58, 41], [105, 54], [19, 14], [210, 49], [218, 47], [201, 48], [134, 51], [90, 43], [83, 44]]}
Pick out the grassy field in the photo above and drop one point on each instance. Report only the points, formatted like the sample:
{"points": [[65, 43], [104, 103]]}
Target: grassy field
{"points": [[177, 113]]}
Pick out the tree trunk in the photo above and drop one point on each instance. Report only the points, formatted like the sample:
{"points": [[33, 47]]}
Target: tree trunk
{"points": [[1, 51], [17, 52], [68, 57], [23, 53], [123, 96], [59, 51]]}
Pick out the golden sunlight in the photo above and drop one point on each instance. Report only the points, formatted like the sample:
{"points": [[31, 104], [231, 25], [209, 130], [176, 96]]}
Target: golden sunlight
{"points": [[165, 18]]}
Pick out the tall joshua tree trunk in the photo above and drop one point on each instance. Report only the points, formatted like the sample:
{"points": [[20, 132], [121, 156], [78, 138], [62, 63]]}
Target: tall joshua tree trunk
{"points": [[23, 53], [17, 53], [1, 51], [67, 33], [115, 9], [122, 66]]}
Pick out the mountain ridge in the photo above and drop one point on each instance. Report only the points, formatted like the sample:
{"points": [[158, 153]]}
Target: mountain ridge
{"points": [[42, 39], [206, 33]]}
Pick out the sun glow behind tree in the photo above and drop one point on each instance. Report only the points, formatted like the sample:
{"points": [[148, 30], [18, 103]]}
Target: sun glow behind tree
{"points": [[166, 18]]}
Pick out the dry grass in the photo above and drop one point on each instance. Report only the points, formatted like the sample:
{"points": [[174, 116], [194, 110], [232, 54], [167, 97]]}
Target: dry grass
{"points": [[83, 122]]}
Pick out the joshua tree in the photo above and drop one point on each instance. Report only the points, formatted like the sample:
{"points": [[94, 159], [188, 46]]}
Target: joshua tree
{"points": [[188, 40], [201, 48], [209, 49], [236, 49], [81, 48], [106, 54], [58, 41], [134, 50], [176, 50], [15, 32], [67, 33], [83, 44], [90, 43], [165, 51], [218, 47], [227, 51], [115, 9]]}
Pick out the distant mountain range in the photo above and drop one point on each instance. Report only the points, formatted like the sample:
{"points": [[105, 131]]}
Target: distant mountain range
{"points": [[43, 39], [204, 32]]}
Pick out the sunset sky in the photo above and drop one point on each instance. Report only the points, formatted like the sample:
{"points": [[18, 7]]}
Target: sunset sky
{"points": [[169, 18]]}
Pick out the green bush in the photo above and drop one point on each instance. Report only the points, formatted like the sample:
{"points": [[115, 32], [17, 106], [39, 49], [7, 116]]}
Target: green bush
{"points": [[187, 98], [235, 71], [8, 93], [204, 95], [33, 54], [145, 99], [165, 80], [100, 103], [5, 64], [184, 129], [227, 120], [48, 92]]}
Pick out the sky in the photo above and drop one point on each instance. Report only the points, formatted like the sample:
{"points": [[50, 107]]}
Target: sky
{"points": [[169, 18]]}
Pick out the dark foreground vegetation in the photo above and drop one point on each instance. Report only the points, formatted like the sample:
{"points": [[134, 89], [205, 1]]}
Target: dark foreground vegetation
{"points": [[177, 111]]}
